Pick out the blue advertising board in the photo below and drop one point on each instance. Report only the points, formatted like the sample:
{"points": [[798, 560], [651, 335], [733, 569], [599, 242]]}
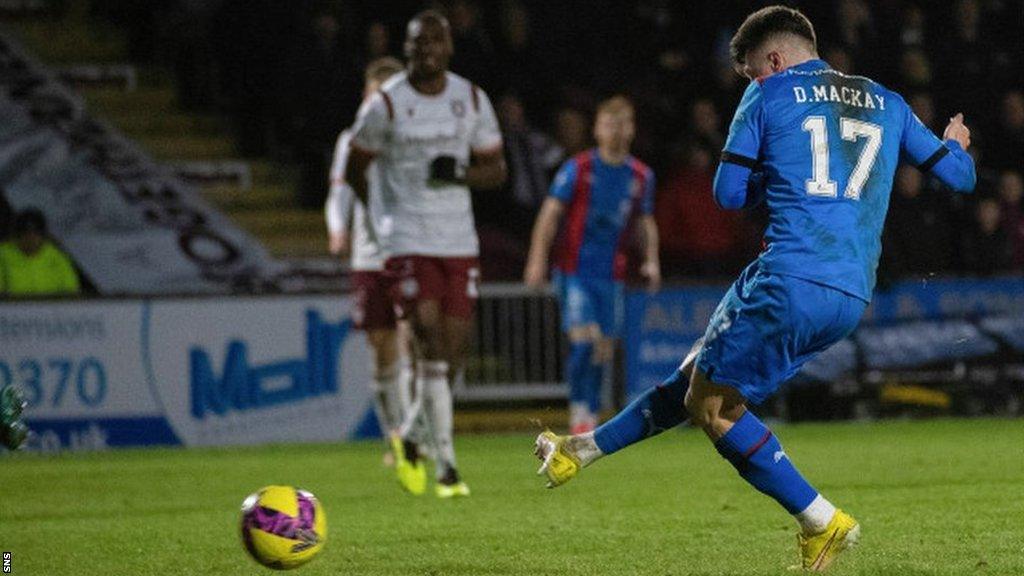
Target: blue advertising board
{"points": [[660, 328]]}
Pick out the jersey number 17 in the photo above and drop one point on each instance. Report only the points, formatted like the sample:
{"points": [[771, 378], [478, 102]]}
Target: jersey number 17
{"points": [[851, 130]]}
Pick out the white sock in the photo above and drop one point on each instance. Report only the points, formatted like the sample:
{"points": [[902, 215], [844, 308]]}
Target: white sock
{"points": [[406, 381], [815, 518], [414, 426], [388, 399], [437, 398], [583, 447], [579, 414]]}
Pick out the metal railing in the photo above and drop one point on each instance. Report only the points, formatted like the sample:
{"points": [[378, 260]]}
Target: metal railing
{"points": [[517, 347]]}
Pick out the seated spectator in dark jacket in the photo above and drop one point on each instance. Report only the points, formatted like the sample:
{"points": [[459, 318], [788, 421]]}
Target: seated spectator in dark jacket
{"points": [[1006, 147], [919, 232], [31, 264], [699, 238], [1011, 196], [985, 246]]}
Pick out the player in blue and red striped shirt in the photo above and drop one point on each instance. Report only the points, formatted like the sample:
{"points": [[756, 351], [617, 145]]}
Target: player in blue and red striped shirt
{"points": [[606, 196]]}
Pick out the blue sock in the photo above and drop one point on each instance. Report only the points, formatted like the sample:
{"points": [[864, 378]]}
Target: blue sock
{"points": [[595, 381], [578, 371], [755, 452], [655, 411]]}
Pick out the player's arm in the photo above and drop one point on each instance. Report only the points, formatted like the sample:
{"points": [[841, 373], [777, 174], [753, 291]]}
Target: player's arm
{"points": [[546, 226], [948, 161], [368, 136], [734, 186], [544, 230], [338, 207], [650, 268], [487, 170]]}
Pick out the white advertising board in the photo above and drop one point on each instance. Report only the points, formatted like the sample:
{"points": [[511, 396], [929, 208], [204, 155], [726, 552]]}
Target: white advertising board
{"points": [[191, 371]]}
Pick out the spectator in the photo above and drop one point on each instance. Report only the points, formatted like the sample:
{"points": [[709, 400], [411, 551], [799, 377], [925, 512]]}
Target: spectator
{"points": [[962, 60], [572, 131], [532, 155], [324, 97], [474, 52], [707, 124], [31, 264], [912, 34], [378, 41], [1011, 195], [856, 27], [985, 245], [698, 237], [919, 233], [915, 70], [1006, 149], [924, 107], [839, 59]]}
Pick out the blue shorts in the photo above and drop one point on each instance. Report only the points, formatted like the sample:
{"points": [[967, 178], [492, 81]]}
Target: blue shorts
{"points": [[768, 325], [591, 301]]}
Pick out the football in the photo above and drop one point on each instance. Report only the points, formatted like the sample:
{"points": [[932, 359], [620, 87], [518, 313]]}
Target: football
{"points": [[283, 527]]}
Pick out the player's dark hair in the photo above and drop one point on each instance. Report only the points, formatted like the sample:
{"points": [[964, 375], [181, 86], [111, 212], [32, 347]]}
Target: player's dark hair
{"points": [[29, 220], [766, 23]]}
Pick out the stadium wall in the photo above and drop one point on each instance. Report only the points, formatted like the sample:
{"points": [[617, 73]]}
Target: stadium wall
{"points": [[195, 371]]}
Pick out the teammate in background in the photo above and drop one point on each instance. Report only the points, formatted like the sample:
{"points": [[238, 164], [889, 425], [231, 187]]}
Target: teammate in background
{"points": [[607, 196], [821, 148], [372, 312], [433, 135]]}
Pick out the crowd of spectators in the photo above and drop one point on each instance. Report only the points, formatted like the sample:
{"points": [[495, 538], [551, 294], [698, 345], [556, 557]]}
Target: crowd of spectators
{"points": [[289, 74]]}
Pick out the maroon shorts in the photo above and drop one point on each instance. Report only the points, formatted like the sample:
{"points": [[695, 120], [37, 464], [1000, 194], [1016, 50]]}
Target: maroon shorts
{"points": [[373, 309], [453, 282]]}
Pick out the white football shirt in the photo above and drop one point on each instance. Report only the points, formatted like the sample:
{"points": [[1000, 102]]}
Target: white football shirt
{"points": [[405, 131]]}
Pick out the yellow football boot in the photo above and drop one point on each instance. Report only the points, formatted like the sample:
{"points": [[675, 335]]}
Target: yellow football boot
{"points": [[445, 491], [412, 476], [559, 465], [819, 551]]}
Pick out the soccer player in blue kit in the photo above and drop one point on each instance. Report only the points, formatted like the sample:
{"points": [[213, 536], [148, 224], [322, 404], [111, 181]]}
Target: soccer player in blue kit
{"points": [[821, 148], [606, 196]]}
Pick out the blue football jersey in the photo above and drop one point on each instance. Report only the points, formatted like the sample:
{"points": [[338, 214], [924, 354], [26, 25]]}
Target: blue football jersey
{"points": [[603, 202], [829, 145]]}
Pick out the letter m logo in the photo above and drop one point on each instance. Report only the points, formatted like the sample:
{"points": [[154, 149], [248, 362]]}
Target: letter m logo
{"points": [[218, 395]]}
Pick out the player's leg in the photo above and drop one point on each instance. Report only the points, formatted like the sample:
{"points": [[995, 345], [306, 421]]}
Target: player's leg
{"points": [[374, 313], [656, 410], [765, 329], [386, 378], [583, 373], [583, 331], [608, 298], [743, 440], [441, 408], [417, 289], [462, 278]]}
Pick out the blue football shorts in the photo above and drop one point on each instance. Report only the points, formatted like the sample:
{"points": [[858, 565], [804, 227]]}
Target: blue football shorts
{"points": [[586, 301], [768, 325]]}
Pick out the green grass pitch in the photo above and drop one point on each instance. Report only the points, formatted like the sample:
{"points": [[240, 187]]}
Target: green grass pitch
{"points": [[934, 497]]}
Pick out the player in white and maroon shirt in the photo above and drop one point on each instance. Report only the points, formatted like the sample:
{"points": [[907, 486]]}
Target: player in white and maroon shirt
{"points": [[433, 135], [373, 312]]}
